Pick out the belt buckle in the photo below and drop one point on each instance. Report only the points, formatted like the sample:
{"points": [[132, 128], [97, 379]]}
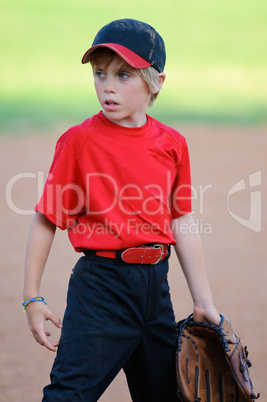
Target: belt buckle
{"points": [[161, 247]]}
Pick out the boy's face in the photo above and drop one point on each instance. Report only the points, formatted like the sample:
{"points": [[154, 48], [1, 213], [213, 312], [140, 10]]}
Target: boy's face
{"points": [[122, 93]]}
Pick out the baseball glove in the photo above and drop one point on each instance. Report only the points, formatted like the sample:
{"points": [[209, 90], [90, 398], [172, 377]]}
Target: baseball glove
{"points": [[211, 363]]}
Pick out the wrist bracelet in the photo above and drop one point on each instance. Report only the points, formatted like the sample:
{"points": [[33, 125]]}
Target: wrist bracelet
{"points": [[37, 298]]}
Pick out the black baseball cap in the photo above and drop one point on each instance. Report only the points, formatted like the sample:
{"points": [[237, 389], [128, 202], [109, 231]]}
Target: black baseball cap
{"points": [[136, 42]]}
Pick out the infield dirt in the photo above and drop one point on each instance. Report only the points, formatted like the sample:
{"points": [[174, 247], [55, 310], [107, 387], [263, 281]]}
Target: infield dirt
{"points": [[229, 179]]}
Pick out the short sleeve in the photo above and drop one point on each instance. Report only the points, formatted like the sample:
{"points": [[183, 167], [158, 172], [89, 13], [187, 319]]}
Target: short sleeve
{"points": [[63, 197], [181, 203]]}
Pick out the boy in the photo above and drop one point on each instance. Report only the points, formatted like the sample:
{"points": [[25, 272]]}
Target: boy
{"points": [[120, 184]]}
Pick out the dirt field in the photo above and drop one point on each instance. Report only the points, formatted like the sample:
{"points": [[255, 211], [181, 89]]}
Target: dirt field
{"points": [[235, 254]]}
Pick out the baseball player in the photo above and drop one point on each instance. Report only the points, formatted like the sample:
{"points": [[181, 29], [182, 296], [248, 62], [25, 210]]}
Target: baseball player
{"points": [[120, 185]]}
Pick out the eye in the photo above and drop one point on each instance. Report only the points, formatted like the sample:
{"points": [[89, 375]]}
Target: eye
{"points": [[99, 74], [123, 74]]}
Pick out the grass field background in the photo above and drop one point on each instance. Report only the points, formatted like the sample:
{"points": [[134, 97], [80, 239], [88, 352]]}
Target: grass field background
{"points": [[216, 60]]}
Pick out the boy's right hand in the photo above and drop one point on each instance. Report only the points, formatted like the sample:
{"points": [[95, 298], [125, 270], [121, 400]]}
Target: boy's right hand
{"points": [[37, 315]]}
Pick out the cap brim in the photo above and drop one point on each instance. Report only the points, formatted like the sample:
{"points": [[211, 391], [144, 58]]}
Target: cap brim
{"points": [[126, 54]]}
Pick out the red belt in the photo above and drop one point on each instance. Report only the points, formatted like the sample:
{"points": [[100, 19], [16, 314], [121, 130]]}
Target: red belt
{"points": [[139, 255]]}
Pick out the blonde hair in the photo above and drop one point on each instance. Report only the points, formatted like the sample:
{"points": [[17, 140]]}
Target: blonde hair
{"points": [[150, 75]]}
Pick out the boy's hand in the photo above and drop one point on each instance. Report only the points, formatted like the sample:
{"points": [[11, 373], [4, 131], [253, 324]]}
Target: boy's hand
{"points": [[37, 315], [206, 314]]}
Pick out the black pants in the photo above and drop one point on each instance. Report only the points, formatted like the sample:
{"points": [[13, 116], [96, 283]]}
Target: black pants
{"points": [[118, 316]]}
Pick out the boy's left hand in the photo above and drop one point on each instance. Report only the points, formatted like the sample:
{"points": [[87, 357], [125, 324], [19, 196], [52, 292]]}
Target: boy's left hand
{"points": [[207, 314]]}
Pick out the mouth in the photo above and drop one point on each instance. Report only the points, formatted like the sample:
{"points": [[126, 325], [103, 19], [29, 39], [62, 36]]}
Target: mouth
{"points": [[111, 103]]}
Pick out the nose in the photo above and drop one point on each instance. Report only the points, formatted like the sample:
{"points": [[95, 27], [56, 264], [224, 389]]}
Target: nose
{"points": [[110, 86]]}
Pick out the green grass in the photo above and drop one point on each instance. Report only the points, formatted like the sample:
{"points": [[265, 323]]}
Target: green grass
{"points": [[216, 60]]}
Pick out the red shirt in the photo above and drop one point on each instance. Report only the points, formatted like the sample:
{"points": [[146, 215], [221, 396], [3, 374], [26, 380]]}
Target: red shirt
{"points": [[114, 187]]}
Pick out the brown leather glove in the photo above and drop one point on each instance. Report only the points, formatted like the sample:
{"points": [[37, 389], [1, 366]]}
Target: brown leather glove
{"points": [[211, 363]]}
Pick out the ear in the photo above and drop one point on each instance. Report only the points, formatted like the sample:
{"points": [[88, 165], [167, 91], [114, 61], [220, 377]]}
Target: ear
{"points": [[161, 79]]}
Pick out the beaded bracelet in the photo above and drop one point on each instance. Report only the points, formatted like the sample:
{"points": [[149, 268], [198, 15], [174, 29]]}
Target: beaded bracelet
{"points": [[37, 298]]}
